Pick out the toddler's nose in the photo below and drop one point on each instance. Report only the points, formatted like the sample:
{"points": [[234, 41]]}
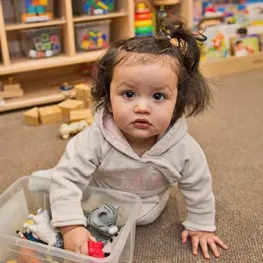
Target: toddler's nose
{"points": [[142, 107]]}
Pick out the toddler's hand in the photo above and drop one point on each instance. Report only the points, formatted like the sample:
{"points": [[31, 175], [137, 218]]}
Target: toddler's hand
{"points": [[204, 239], [76, 238]]}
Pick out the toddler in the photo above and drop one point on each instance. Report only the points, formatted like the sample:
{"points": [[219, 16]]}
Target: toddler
{"points": [[138, 142]]}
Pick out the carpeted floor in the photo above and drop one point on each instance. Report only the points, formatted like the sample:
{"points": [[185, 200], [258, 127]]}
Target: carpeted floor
{"points": [[231, 134]]}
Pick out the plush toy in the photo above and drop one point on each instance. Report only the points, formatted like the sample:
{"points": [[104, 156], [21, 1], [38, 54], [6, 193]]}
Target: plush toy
{"points": [[102, 222], [42, 230], [72, 128], [102, 225]]}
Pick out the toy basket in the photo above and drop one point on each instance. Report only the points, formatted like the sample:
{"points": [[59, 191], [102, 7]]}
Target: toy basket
{"points": [[92, 35], [30, 193], [42, 43], [93, 7]]}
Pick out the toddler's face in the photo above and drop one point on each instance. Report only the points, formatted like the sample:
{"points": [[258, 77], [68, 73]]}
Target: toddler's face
{"points": [[143, 98]]}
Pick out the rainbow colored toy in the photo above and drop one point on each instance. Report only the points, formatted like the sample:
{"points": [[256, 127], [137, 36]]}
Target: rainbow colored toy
{"points": [[36, 11], [98, 7], [94, 39], [143, 19]]}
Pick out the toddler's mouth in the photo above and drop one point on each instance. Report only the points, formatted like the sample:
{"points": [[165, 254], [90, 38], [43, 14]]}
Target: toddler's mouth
{"points": [[141, 123]]}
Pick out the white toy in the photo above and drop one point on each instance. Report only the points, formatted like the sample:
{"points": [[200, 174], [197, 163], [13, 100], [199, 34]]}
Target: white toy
{"points": [[42, 230], [72, 128]]}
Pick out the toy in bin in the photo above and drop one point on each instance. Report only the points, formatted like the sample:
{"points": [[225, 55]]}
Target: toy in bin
{"points": [[101, 223], [92, 35], [93, 7], [37, 11], [42, 43], [94, 39]]}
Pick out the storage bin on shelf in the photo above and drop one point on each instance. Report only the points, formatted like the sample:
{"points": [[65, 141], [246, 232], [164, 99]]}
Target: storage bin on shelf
{"points": [[92, 7], [28, 11], [92, 35], [42, 42], [30, 193]]}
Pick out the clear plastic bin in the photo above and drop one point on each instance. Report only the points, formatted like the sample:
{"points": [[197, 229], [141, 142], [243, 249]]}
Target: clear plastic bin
{"points": [[92, 35], [28, 11], [42, 42], [30, 193], [90, 7]]}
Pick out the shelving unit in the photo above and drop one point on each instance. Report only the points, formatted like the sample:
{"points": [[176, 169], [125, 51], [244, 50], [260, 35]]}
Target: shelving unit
{"points": [[223, 66], [122, 26]]}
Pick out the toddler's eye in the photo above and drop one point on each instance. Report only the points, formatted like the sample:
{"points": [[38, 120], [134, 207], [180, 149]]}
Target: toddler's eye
{"points": [[129, 94], [158, 96]]}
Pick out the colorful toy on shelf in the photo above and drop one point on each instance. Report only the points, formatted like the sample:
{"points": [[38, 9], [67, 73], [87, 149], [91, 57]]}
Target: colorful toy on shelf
{"points": [[92, 35], [36, 11], [45, 44], [98, 7], [143, 19], [93, 40]]}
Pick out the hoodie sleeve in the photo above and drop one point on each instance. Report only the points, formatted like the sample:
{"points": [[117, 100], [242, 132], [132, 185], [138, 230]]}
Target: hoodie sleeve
{"points": [[72, 174], [196, 187]]}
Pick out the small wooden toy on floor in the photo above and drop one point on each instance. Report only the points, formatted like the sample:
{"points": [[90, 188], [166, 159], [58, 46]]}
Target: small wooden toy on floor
{"points": [[31, 116], [68, 105], [50, 114], [83, 93], [79, 115], [71, 129]]}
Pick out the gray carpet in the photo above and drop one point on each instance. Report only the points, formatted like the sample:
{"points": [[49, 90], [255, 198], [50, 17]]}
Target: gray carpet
{"points": [[231, 134]]}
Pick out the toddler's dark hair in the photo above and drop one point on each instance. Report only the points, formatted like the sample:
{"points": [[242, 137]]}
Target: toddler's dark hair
{"points": [[178, 43]]}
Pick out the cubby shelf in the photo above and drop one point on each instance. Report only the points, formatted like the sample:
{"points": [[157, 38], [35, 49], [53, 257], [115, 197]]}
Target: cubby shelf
{"points": [[99, 17], [167, 2], [123, 17], [33, 97], [122, 26], [23, 65], [13, 27]]}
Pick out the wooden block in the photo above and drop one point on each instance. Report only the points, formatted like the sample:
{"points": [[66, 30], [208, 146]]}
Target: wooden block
{"points": [[11, 93], [68, 105], [78, 115], [83, 92], [50, 114], [11, 84], [11, 87], [31, 116]]}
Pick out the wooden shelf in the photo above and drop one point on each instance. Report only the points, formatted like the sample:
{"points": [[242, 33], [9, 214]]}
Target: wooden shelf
{"points": [[12, 27], [167, 2], [33, 97], [62, 60], [232, 65], [46, 90], [99, 17]]}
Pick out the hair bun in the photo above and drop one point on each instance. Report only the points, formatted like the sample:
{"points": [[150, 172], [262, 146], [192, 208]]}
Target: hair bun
{"points": [[176, 29]]}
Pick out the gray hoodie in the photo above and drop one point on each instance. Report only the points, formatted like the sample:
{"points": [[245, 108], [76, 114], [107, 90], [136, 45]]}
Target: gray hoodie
{"points": [[102, 156]]}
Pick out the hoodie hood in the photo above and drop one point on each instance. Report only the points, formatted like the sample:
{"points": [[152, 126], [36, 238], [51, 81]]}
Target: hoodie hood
{"points": [[115, 137]]}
